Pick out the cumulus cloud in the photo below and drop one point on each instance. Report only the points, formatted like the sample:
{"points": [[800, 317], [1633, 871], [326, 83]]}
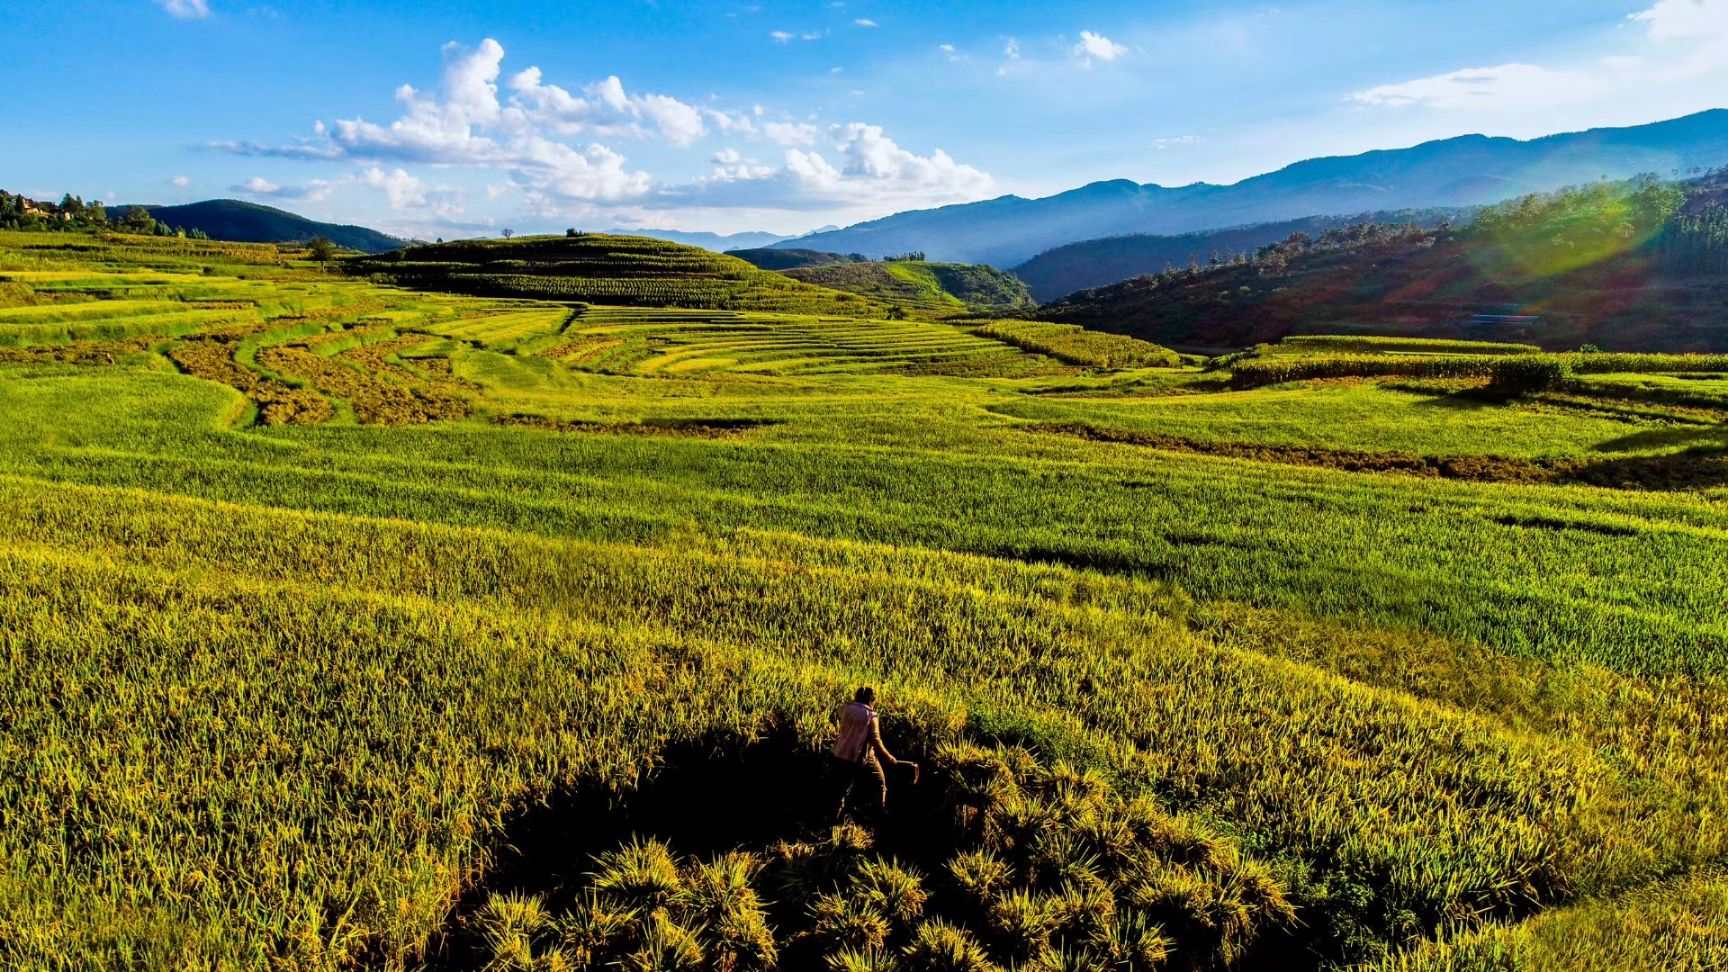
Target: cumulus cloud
{"points": [[1686, 20], [864, 22], [186, 9], [402, 189], [405, 191], [464, 123], [868, 168], [541, 137], [790, 133], [181, 181], [316, 190], [781, 36], [1097, 47], [606, 108]]}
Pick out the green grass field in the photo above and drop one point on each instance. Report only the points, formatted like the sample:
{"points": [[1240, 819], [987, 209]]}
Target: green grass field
{"points": [[937, 289], [319, 592]]}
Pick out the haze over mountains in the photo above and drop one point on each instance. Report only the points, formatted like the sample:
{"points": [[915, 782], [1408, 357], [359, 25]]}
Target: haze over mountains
{"points": [[718, 242], [1109, 231], [1466, 171]]}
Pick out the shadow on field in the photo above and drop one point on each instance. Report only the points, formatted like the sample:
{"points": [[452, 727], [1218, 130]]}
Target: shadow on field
{"points": [[685, 428], [721, 794], [1690, 436], [709, 796]]}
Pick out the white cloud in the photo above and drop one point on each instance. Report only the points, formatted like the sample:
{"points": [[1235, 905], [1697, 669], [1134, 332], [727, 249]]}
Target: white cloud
{"points": [[407, 192], [181, 181], [864, 22], [790, 133], [186, 9], [1686, 20], [1477, 87], [949, 51], [605, 108], [728, 122], [1163, 143], [317, 190], [437, 128], [1676, 65], [540, 138], [1097, 46], [780, 36], [403, 190], [870, 170], [465, 124]]}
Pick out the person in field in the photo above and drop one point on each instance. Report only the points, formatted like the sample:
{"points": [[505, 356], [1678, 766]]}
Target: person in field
{"points": [[859, 755]]}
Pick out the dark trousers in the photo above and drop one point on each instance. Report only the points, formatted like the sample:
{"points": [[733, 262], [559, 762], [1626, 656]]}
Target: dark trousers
{"points": [[861, 783]]}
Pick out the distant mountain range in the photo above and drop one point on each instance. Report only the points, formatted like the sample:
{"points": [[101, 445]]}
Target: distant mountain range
{"points": [[1094, 263], [244, 222], [1466, 171]]}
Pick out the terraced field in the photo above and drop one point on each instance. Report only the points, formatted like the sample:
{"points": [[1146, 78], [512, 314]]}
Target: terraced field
{"points": [[603, 269], [361, 626]]}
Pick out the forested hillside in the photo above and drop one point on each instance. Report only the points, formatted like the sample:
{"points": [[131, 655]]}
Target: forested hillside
{"points": [[935, 288], [1061, 271], [1632, 265]]}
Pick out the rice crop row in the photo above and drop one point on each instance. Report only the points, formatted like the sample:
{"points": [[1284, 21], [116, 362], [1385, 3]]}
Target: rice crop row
{"points": [[1076, 345]]}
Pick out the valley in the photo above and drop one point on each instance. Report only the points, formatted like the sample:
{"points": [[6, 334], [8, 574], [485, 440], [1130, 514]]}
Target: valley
{"points": [[374, 613]]}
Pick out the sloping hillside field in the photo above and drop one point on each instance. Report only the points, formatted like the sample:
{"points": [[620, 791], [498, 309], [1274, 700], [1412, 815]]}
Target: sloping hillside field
{"points": [[349, 625]]}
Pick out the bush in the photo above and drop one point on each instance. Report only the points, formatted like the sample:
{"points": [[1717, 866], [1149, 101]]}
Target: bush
{"points": [[1521, 375]]}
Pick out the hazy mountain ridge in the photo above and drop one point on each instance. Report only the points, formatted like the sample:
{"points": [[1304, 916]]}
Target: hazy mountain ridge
{"points": [[1464, 171], [718, 242]]}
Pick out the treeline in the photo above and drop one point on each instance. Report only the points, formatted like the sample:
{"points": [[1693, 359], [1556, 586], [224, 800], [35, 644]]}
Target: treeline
{"points": [[73, 214]]}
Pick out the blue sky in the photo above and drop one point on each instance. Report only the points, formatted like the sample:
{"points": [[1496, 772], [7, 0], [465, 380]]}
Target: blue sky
{"points": [[433, 118]]}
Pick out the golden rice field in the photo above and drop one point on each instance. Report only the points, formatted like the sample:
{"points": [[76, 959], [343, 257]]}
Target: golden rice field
{"points": [[352, 626]]}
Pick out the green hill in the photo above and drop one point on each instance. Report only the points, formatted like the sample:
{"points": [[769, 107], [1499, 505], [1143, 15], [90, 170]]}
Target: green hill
{"points": [[931, 288], [599, 268], [244, 222], [1636, 265], [769, 258]]}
